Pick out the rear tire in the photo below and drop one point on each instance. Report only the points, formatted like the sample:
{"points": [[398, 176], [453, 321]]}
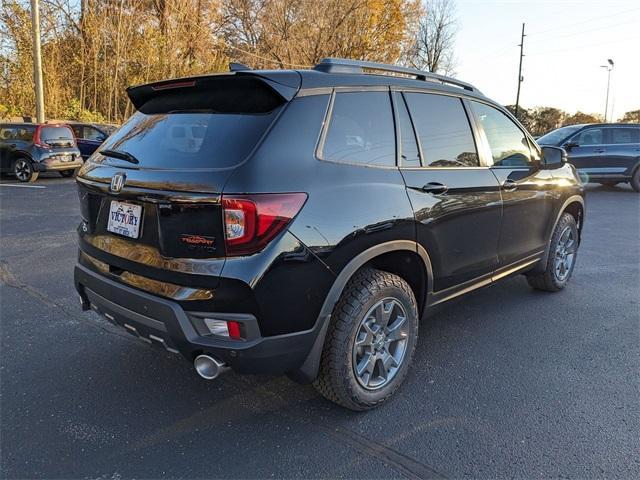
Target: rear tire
{"points": [[369, 347], [23, 170], [67, 173], [635, 180], [562, 257]]}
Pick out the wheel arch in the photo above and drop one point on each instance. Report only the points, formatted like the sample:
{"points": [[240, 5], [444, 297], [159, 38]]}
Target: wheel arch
{"points": [[573, 205], [405, 258]]}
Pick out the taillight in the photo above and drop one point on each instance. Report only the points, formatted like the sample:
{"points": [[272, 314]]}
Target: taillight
{"points": [[252, 221], [37, 141]]}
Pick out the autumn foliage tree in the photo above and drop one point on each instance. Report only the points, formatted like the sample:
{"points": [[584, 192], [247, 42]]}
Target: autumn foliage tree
{"points": [[93, 49]]}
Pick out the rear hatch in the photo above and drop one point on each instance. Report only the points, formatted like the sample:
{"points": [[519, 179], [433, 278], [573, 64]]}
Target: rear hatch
{"points": [[155, 185], [57, 141]]}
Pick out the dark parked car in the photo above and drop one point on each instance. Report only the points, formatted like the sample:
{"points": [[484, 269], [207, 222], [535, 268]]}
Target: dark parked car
{"points": [[301, 222], [26, 149], [606, 153], [89, 136]]}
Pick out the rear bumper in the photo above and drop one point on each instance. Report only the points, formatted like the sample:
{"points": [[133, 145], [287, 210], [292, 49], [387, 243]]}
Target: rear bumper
{"points": [[54, 165], [166, 324]]}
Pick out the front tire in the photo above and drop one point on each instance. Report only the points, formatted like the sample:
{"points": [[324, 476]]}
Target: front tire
{"points": [[562, 257], [370, 341], [23, 170]]}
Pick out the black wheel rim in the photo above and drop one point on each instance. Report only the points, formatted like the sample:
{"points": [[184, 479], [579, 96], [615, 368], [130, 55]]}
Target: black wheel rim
{"points": [[22, 170]]}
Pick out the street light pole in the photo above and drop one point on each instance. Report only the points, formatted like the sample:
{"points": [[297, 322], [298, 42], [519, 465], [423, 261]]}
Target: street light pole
{"points": [[37, 61], [520, 70], [609, 67]]}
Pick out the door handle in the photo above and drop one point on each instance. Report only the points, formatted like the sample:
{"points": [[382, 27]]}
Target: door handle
{"points": [[509, 185], [435, 187], [599, 150]]}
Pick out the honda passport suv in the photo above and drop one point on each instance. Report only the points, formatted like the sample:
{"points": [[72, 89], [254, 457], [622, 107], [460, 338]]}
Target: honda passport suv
{"points": [[301, 222]]}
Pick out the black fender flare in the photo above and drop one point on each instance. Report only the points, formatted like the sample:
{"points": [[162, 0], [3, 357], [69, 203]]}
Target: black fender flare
{"points": [[308, 371], [572, 199]]}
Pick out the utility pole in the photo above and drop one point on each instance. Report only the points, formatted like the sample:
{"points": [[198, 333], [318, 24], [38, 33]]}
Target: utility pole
{"points": [[37, 61], [609, 67], [520, 70]]}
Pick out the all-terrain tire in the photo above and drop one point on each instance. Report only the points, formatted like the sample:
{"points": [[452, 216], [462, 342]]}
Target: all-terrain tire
{"points": [[549, 280], [337, 380]]}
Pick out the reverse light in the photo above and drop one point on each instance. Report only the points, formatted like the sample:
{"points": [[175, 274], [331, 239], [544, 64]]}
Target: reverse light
{"points": [[252, 221], [224, 328]]}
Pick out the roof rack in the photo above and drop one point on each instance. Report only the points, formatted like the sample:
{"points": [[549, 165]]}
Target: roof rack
{"points": [[344, 65]]}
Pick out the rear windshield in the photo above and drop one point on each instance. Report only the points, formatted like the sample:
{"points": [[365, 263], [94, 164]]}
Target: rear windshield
{"points": [[49, 134], [189, 140]]}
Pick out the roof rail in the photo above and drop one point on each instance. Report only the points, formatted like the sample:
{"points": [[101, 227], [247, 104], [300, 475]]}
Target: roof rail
{"points": [[344, 65]]}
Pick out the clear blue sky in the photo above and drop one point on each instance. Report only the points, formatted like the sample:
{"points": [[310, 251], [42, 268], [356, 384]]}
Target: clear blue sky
{"points": [[566, 43]]}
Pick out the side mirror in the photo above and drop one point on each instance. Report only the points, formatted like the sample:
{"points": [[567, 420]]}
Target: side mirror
{"points": [[570, 144], [553, 157]]}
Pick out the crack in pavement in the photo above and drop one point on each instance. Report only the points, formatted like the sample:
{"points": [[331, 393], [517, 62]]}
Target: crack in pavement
{"points": [[10, 280]]}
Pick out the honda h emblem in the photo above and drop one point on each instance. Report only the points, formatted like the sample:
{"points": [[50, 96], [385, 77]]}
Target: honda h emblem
{"points": [[117, 182]]}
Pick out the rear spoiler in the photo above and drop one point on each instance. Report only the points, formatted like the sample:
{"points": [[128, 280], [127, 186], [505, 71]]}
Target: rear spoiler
{"points": [[236, 92]]}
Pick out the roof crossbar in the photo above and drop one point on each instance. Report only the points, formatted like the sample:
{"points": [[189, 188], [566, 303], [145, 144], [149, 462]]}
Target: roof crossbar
{"points": [[344, 65]]}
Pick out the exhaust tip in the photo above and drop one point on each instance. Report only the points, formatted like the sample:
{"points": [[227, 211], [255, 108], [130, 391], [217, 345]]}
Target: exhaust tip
{"points": [[208, 367]]}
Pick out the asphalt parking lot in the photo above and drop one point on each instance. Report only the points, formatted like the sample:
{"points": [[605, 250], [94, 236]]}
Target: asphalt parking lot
{"points": [[506, 382]]}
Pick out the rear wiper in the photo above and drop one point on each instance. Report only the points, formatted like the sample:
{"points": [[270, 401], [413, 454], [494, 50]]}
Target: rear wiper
{"points": [[119, 154]]}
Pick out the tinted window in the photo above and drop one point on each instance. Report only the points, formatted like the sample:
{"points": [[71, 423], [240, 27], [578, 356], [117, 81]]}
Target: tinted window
{"points": [[91, 133], [509, 145], [443, 129], [189, 140], [621, 135], [556, 136], [25, 133], [590, 136], [7, 133], [48, 134], [361, 130], [409, 155]]}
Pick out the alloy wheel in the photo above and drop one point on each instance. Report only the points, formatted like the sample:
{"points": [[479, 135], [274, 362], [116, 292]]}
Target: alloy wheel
{"points": [[22, 170], [565, 254], [380, 344]]}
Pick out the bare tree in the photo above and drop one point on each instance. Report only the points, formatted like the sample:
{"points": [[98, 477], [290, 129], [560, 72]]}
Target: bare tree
{"points": [[435, 39]]}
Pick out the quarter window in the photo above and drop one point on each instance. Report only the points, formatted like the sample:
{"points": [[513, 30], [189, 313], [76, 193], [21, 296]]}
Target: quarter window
{"points": [[622, 135], [509, 145], [443, 129], [590, 136], [361, 130], [409, 154]]}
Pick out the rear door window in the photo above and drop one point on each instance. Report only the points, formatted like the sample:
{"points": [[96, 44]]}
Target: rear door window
{"points": [[443, 129], [361, 130], [189, 140], [622, 135]]}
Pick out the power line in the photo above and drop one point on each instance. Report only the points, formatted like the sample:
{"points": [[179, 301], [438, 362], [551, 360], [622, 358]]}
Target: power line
{"points": [[571, 34], [597, 19]]}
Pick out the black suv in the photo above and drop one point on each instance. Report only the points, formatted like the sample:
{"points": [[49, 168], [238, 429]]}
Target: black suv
{"points": [[26, 149], [301, 222], [89, 136], [606, 153]]}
